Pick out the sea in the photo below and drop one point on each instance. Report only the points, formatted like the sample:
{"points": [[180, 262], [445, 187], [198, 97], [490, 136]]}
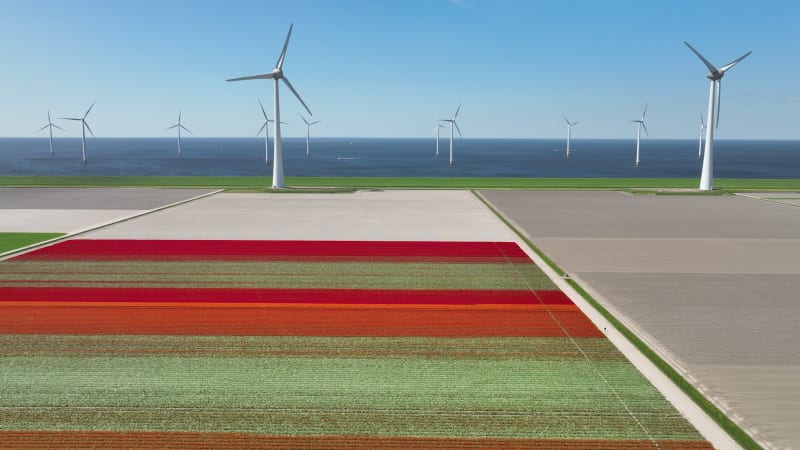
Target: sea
{"points": [[412, 157]]}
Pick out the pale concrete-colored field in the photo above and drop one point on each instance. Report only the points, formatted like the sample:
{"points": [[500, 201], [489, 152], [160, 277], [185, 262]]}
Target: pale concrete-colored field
{"points": [[364, 215], [70, 210], [711, 282]]}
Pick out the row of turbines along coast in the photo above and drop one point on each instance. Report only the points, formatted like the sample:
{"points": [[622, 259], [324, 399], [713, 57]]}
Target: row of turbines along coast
{"points": [[277, 74]]}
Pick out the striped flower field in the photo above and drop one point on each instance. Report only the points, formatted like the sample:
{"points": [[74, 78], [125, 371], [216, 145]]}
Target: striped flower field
{"points": [[310, 344]]}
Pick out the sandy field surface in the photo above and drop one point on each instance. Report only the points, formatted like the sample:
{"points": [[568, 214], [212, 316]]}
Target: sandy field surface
{"points": [[712, 282]]}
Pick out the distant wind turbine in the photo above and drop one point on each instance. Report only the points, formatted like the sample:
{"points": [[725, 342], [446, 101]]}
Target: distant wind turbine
{"points": [[84, 127], [436, 130], [277, 75], [639, 126], [179, 126], [700, 137], [569, 131], [265, 127], [308, 132], [453, 124], [50, 125], [715, 75]]}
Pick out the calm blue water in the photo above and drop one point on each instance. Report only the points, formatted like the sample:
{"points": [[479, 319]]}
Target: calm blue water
{"points": [[398, 157]]}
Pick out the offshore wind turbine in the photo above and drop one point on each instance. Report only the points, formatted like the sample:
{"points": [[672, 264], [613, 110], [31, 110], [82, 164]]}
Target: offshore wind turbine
{"points": [[179, 126], [436, 130], [639, 126], [569, 131], [700, 137], [84, 127], [50, 125], [277, 75], [265, 127], [715, 92], [453, 124], [308, 132]]}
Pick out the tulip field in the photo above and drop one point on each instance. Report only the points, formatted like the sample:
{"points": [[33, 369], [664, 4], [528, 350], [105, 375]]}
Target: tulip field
{"points": [[310, 344]]}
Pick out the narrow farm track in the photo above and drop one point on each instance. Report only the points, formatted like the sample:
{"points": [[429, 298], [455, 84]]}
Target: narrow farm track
{"points": [[310, 344]]}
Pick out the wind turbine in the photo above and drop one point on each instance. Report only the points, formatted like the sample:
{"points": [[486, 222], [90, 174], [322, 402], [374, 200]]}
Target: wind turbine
{"points": [[84, 127], [277, 75], [715, 75], [453, 124], [436, 130], [308, 131], [50, 125], [569, 131], [639, 126], [700, 137], [179, 126], [265, 127]]}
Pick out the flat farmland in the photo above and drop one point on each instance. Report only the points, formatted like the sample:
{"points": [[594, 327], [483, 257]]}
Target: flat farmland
{"points": [[136, 337], [711, 282]]}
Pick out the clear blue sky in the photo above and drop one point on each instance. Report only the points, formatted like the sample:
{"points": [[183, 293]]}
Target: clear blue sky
{"points": [[377, 68]]}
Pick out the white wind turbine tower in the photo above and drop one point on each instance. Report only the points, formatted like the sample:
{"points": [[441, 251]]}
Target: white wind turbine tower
{"points": [[179, 126], [715, 75], [84, 127], [277, 75], [569, 131], [308, 132], [700, 137], [436, 130], [639, 126], [453, 124], [50, 125]]}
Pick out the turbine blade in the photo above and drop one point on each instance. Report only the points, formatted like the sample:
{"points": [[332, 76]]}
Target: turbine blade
{"points": [[284, 123], [69, 118], [566, 120], [279, 64], [575, 123], [458, 129], [186, 129], [304, 119], [40, 129], [645, 111], [719, 98], [88, 128], [263, 76], [260, 129], [262, 110], [645, 129], [174, 126], [457, 110], [289, 85], [734, 62], [54, 125], [314, 123], [90, 109], [711, 68], [702, 122], [180, 111]]}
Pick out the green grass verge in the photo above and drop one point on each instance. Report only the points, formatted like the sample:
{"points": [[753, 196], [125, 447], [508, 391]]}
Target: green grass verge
{"points": [[261, 184], [715, 413], [12, 241]]}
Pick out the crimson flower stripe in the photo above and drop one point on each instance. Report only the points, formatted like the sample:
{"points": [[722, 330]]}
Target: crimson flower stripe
{"points": [[242, 250]]}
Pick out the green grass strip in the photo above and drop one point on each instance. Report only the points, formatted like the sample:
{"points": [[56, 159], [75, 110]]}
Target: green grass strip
{"points": [[279, 274], [261, 184], [707, 406], [13, 241]]}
